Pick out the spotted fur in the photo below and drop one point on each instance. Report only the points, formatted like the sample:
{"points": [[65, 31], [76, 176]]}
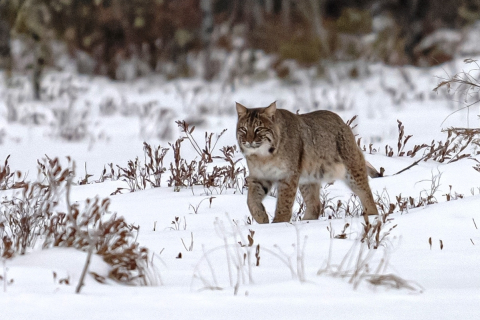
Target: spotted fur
{"points": [[298, 151]]}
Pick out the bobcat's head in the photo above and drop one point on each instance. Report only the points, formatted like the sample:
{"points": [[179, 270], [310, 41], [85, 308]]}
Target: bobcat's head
{"points": [[256, 134]]}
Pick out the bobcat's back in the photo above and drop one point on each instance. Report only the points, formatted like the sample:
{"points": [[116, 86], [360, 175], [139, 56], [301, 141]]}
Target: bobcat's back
{"points": [[307, 144]]}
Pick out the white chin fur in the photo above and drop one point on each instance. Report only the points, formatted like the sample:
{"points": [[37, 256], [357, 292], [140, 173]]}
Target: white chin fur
{"points": [[261, 151]]}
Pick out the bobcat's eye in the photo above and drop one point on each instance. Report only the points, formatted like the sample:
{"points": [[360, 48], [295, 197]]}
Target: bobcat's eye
{"points": [[242, 130], [257, 130]]}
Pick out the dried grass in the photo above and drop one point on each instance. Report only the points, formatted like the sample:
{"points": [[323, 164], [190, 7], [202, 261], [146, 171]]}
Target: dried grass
{"points": [[34, 212]]}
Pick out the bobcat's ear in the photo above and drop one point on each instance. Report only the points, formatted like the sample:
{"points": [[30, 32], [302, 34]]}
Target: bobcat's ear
{"points": [[241, 109], [270, 110]]}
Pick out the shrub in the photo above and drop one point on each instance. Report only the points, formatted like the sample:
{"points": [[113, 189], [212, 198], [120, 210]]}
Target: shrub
{"points": [[305, 49], [35, 212]]}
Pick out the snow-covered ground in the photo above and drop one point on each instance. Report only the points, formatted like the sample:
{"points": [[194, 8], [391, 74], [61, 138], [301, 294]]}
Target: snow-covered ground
{"points": [[434, 249]]}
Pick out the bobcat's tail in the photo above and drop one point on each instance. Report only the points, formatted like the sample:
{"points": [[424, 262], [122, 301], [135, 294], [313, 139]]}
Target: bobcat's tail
{"points": [[372, 172]]}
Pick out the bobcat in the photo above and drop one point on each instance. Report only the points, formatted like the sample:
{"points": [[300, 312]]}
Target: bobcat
{"points": [[298, 151]]}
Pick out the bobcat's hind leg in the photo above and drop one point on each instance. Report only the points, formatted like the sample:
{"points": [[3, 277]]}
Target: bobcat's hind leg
{"points": [[311, 196], [357, 180], [356, 177], [257, 190]]}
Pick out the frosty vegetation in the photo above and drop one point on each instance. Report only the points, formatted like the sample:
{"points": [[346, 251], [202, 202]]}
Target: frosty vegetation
{"points": [[143, 178], [39, 214]]}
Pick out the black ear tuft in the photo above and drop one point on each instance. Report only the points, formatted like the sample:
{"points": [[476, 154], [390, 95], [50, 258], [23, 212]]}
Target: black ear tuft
{"points": [[241, 109], [270, 110]]}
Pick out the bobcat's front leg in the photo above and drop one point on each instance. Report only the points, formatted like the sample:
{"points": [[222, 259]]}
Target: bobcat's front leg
{"points": [[287, 190], [257, 190]]}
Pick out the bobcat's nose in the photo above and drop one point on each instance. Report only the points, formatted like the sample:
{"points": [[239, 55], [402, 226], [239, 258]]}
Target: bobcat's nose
{"points": [[251, 144]]}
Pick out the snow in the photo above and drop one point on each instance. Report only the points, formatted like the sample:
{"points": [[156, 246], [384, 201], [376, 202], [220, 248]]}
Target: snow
{"points": [[445, 281]]}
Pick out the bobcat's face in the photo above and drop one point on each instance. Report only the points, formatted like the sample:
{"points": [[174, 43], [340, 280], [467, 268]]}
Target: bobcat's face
{"points": [[255, 134]]}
